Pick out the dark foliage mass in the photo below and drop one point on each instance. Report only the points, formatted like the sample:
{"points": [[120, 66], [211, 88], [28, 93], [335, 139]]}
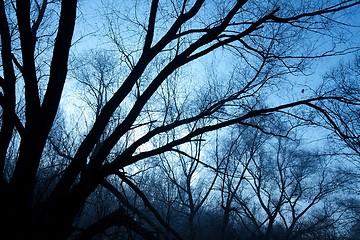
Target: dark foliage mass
{"points": [[193, 119]]}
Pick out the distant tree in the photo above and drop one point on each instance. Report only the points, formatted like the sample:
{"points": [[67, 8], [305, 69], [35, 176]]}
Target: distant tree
{"points": [[282, 187], [160, 43], [343, 80], [234, 156], [193, 191]]}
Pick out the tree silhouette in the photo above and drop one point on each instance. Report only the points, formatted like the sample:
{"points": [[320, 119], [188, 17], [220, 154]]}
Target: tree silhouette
{"points": [[269, 41]]}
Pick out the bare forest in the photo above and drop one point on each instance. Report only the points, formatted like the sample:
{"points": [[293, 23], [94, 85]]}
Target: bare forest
{"points": [[180, 119]]}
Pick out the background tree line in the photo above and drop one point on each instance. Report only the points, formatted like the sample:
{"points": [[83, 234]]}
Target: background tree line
{"points": [[179, 120]]}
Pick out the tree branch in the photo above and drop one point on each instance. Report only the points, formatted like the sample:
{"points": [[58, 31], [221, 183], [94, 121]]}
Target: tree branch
{"points": [[127, 204], [148, 204], [151, 25], [116, 218], [36, 24], [124, 159], [28, 69], [334, 8], [7, 84]]}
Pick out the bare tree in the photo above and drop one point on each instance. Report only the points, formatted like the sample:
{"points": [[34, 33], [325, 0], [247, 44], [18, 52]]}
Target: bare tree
{"points": [[342, 79], [287, 185], [234, 155], [343, 118], [184, 171], [269, 40]]}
